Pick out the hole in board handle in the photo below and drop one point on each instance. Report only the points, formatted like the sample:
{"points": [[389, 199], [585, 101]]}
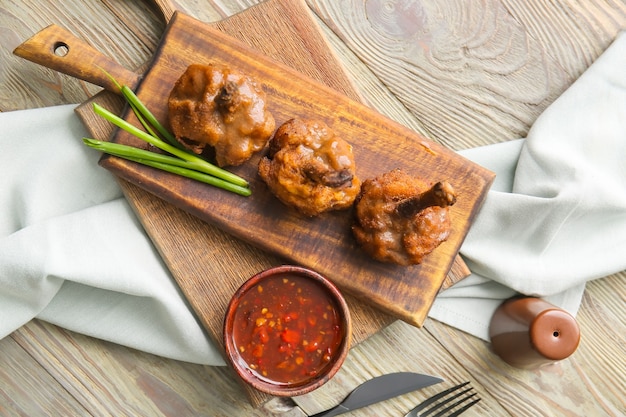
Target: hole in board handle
{"points": [[61, 49]]}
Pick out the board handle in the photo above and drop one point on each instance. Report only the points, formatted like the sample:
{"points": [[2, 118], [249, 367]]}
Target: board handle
{"points": [[58, 49]]}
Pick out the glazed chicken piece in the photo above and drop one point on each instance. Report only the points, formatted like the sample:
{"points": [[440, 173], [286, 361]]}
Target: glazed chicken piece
{"points": [[216, 107], [400, 219], [310, 168]]}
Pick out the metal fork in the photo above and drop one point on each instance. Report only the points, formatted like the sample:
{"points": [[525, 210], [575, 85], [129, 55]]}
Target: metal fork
{"points": [[451, 407]]}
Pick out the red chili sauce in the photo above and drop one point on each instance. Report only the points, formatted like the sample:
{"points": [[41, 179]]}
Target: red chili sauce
{"points": [[287, 329]]}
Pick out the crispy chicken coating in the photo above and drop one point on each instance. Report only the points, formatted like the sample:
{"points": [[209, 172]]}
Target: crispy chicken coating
{"points": [[400, 219], [310, 168], [212, 105]]}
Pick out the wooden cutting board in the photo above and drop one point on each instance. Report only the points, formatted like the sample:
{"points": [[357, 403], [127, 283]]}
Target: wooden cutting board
{"points": [[187, 220], [324, 243]]}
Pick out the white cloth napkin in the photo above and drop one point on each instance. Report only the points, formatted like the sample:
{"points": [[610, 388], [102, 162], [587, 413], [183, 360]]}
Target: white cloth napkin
{"points": [[73, 254], [556, 216]]}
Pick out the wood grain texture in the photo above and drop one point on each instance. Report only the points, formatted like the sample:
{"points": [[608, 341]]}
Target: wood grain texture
{"points": [[596, 380], [571, 33], [118, 381], [482, 74], [22, 85], [22, 395]]}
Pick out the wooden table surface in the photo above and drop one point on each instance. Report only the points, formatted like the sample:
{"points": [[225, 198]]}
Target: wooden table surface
{"points": [[463, 73]]}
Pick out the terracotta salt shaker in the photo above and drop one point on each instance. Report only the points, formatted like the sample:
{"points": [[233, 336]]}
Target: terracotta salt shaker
{"points": [[528, 332]]}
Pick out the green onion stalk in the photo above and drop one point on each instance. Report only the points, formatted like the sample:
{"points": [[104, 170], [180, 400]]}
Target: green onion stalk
{"points": [[142, 113], [165, 163]]}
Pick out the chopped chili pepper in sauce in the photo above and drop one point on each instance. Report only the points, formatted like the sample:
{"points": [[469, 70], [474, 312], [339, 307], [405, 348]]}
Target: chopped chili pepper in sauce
{"points": [[287, 329]]}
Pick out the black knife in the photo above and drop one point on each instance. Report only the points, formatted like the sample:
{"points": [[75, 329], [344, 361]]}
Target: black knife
{"points": [[379, 389]]}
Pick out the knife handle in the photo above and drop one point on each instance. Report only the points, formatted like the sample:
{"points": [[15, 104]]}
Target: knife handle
{"points": [[57, 49]]}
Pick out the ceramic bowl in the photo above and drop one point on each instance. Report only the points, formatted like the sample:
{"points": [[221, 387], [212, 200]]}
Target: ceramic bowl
{"points": [[287, 331]]}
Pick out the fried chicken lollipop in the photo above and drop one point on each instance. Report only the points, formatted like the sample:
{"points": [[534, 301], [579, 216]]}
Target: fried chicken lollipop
{"points": [[400, 219], [212, 105], [308, 167]]}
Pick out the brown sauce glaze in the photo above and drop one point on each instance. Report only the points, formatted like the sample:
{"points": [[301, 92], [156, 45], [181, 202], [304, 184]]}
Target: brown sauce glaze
{"points": [[214, 106]]}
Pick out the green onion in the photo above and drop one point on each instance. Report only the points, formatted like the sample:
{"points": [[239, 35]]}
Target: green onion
{"points": [[125, 151], [146, 126], [202, 165], [165, 163], [198, 176], [140, 108], [141, 111]]}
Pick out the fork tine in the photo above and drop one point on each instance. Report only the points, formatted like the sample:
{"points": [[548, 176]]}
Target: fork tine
{"points": [[463, 409], [434, 398], [460, 411]]}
